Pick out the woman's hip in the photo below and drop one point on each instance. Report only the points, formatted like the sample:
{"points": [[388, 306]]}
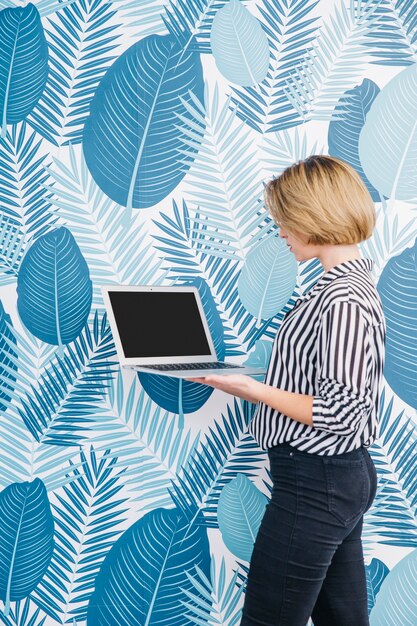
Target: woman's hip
{"points": [[338, 488]]}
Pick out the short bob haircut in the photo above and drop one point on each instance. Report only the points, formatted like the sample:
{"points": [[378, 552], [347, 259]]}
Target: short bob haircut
{"points": [[324, 199]]}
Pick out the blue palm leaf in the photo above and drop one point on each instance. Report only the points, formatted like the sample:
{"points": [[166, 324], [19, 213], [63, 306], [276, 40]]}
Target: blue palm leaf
{"points": [[283, 149], [376, 571], [23, 197], [334, 62], [228, 450], [46, 7], [239, 45], [23, 63], [82, 41], [54, 288], [388, 239], [24, 614], [239, 513], [224, 181], [190, 22], [88, 513], [290, 31], [144, 577], [21, 457], [397, 287], [143, 16], [183, 241], [113, 254], [26, 539], [393, 37], [58, 406], [11, 250], [7, 365], [392, 517], [213, 602], [343, 133], [146, 440], [133, 136]]}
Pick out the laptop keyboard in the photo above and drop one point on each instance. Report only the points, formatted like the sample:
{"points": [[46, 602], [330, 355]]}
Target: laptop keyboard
{"points": [[192, 366]]}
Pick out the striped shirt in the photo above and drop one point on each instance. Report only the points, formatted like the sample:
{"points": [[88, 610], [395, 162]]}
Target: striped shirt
{"points": [[330, 345]]}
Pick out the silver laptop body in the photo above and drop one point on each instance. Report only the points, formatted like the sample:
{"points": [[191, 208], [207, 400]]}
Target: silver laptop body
{"points": [[163, 330]]}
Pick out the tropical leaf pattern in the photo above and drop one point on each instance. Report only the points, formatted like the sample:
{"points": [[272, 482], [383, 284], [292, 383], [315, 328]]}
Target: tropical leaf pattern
{"points": [[291, 32], [88, 515], [136, 138], [82, 39], [393, 38], [8, 364]]}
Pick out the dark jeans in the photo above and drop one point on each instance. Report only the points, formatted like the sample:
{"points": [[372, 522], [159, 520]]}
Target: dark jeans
{"points": [[307, 558]]}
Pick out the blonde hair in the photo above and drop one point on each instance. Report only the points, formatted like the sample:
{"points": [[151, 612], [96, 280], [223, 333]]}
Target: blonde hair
{"points": [[323, 198]]}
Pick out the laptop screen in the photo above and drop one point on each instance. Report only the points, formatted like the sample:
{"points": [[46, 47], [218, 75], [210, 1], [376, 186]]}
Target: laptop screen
{"points": [[159, 324]]}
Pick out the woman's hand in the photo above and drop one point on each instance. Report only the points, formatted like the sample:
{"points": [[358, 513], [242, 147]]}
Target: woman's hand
{"points": [[236, 384]]}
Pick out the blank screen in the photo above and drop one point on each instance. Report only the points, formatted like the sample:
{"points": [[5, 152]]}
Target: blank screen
{"points": [[158, 324]]}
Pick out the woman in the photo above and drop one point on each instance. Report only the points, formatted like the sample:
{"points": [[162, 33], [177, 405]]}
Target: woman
{"points": [[317, 410]]}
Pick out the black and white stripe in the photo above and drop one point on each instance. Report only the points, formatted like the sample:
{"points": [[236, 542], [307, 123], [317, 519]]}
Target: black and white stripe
{"points": [[331, 345]]}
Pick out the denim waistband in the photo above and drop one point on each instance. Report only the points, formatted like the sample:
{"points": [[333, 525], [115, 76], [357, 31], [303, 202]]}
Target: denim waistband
{"points": [[288, 449]]}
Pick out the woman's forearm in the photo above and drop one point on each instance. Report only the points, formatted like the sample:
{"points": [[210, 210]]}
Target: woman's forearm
{"points": [[295, 405]]}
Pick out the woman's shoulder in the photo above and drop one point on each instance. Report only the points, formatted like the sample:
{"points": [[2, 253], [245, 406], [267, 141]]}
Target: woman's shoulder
{"points": [[358, 293]]}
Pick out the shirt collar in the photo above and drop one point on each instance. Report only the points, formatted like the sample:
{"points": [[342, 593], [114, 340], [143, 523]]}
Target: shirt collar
{"points": [[335, 272], [344, 268]]}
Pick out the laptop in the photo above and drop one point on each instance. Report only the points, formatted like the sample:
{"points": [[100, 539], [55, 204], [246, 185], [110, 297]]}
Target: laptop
{"points": [[163, 330]]}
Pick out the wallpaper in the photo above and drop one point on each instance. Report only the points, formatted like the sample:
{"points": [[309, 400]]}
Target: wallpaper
{"points": [[136, 138]]}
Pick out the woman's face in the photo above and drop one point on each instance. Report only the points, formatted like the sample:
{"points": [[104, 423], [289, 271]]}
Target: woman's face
{"points": [[297, 244]]}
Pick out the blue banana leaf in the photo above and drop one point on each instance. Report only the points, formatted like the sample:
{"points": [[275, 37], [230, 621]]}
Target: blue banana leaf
{"points": [[344, 132], [26, 539], [23, 63], [178, 395], [388, 142], [397, 287], [132, 139], [7, 364], [376, 572], [396, 602], [268, 278], [239, 45], [143, 579], [54, 288], [239, 513], [260, 356]]}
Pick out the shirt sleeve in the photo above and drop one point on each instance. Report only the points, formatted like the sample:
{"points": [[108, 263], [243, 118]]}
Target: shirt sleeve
{"points": [[344, 398]]}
